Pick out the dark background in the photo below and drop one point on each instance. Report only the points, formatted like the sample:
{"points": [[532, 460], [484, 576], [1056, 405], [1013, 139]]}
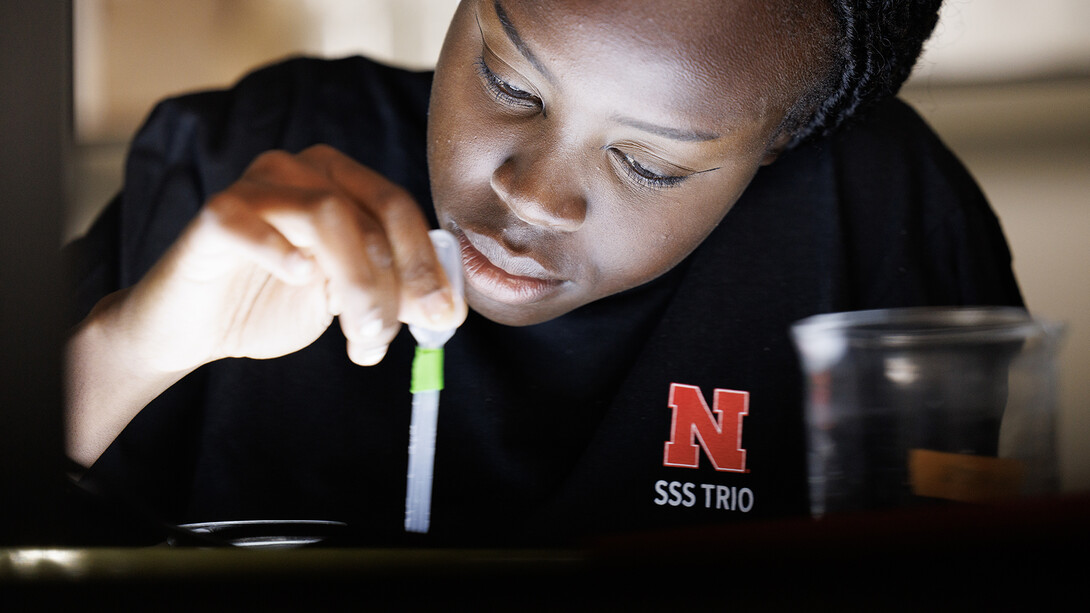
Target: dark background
{"points": [[35, 99]]}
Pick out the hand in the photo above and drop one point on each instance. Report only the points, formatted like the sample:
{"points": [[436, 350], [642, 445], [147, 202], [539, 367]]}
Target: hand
{"points": [[261, 272], [268, 263]]}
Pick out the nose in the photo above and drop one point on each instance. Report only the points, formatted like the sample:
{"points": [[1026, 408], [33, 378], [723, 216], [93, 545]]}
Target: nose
{"points": [[541, 191]]}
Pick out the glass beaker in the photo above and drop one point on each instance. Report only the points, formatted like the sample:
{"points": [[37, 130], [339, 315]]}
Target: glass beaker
{"points": [[920, 405]]}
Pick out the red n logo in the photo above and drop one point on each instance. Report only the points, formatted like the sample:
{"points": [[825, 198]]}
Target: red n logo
{"points": [[720, 434]]}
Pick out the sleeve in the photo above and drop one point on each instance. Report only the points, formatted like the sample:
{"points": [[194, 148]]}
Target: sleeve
{"points": [[92, 263], [191, 147], [918, 229], [178, 157], [166, 181]]}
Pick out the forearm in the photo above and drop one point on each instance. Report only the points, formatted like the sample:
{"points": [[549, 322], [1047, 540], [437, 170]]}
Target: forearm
{"points": [[108, 380]]}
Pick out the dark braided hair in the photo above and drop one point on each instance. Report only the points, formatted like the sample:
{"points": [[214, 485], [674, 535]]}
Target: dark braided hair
{"points": [[875, 48]]}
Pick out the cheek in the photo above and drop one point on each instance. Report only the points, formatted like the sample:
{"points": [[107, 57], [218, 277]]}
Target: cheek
{"points": [[465, 144], [631, 244], [638, 240]]}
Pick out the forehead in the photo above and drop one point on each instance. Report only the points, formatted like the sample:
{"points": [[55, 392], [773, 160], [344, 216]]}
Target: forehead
{"points": [[739, 57]]}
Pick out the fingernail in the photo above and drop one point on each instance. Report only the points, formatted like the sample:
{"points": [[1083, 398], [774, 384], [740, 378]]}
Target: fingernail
{"points": [[368, 356], [438, 305], [372, 327]]}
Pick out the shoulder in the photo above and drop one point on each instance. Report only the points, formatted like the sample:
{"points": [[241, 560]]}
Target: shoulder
{"points": [[916, 221], [197, 144], [892, 148], [290, 105], [335, 88]]}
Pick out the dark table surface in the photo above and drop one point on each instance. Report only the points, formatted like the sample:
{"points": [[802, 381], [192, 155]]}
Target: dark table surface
{"points": [[1007, 556]]}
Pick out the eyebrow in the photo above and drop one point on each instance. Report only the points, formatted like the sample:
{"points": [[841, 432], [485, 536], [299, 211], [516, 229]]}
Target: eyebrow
{"points": [[516, 40], [671, 133]]}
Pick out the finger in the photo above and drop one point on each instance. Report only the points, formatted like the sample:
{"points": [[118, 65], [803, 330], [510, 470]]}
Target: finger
{"points": [[277, 167], [400, 268], [348, 245], [365, 354], [425, 294], [227, 225]]}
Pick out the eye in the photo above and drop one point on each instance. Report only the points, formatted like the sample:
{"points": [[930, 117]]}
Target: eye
{"points": [[504, 91], [643, 175]]}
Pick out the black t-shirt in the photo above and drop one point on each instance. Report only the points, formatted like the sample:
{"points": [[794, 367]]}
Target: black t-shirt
{"points": [[675, 403]]}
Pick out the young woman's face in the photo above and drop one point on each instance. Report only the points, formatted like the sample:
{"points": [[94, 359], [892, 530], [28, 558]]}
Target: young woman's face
{"points": [[580, 148]]}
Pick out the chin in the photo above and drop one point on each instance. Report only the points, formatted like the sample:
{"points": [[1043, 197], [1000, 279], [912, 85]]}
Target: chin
{"points": [[513, 315]]}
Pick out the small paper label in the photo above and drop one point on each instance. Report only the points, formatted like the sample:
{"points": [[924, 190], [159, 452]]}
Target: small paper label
{"points": [[962, 477]]}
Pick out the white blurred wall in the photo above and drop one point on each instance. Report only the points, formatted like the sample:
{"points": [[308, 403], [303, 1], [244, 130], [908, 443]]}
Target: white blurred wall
{"points": [[1005, 82], [1008, 39], [130, 53]]}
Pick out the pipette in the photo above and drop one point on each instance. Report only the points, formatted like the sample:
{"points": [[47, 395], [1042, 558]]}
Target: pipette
{"points": [[427, 381]]}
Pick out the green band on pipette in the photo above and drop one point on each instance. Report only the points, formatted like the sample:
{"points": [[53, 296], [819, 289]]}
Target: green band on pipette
{"points": [[427, 370]]}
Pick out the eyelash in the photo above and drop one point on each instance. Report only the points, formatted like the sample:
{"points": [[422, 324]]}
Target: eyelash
{"points": [[508, 94], [638, 173], [504, 91]]}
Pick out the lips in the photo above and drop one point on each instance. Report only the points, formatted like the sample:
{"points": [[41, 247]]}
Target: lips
{"points": [[496, 273]]}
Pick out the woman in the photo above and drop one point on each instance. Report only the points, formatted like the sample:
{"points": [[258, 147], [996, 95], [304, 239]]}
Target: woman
{"points": [[646, 195]]}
